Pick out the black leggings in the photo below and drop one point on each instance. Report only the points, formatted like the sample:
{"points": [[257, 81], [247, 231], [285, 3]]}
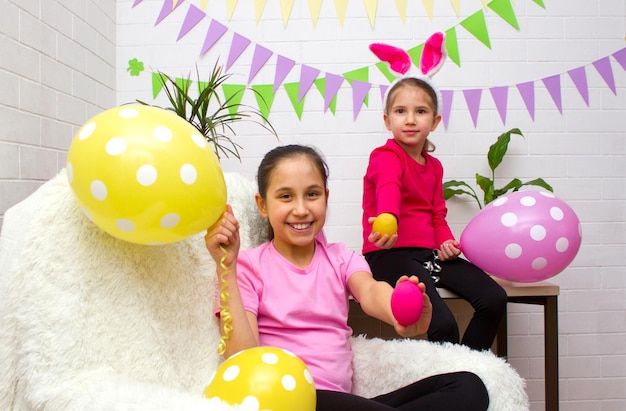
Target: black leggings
{"points": [[458, 391], [461, 277]]}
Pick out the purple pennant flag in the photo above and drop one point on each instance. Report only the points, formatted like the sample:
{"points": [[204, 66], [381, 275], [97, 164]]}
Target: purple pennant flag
{"points": [[136, 3], [166, 9], [579, 77], [237, 46], [193, 17], [553, 84], [472, 98], [359, 91], [500, 98], [527, 91], [214, 33], [446, 96], [260, 57], [333, 82], [620, 57], [383, 91], [283, 67], [308, 75], [604, 68]]}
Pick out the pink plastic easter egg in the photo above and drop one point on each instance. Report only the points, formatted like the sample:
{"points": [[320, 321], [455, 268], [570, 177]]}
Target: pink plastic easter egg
{"points": [[524, 236], [407, 303]]}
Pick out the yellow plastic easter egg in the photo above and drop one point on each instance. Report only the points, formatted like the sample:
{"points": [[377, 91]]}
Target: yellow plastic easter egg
{"points": [[385, 223], [145, 175], [264, 378]]}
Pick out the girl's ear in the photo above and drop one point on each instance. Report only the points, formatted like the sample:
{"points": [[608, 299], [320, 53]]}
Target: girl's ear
{"points": [[260, 205], [436, 122]]}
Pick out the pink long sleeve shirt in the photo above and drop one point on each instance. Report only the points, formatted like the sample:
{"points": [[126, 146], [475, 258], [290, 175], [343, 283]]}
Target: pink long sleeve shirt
{"points": [[395, 183]]}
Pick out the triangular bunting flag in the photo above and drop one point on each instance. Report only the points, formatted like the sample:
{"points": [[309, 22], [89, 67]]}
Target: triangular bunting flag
{"points": [[259, 6], [553, 85], [292, 93], [370, 8], [359, 92], [214, 33], [136, 2], [158, 80], [331, 88], [183, 83], [166, 9], [283, 67], [383, 90], [477, 26], [504, 9], [416, 54], [231, 5], [237, 46], [264, 98], [260, 57], [401, 6], [446, 96], [579, 77], [203, 4], [456, 5], [340, 7], [527, 91], [620, 57], [604, 68], [193, 17], [540, 2], [314, 8], [362, 75], [500, 99], [233, 93], [308, 75], [384, 68], [429, 5], [286, 6], [452, 46], [472, 99]]}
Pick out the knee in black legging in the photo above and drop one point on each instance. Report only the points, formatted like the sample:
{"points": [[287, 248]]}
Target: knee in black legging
{"points": [[493, 304], [474, 391]]}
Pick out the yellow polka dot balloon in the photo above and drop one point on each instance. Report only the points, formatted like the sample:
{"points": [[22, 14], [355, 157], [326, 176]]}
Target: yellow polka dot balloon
{"points": [[145, 175], [264, 378]]}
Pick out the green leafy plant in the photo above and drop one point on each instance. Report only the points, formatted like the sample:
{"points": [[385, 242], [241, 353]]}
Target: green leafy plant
{"points": [[212, 115], [496, 154]]}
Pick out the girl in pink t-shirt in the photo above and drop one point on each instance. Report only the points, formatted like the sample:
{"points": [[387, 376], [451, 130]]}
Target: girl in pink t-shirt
{"points": [[292, 292]]}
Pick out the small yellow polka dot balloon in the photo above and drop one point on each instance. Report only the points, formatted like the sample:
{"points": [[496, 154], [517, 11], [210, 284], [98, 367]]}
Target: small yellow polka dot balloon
{"points": [[264, 378], [145, 175]]}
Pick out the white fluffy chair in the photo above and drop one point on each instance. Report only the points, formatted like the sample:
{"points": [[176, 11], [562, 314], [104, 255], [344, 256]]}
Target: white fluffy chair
{"points": [[92, 322]]}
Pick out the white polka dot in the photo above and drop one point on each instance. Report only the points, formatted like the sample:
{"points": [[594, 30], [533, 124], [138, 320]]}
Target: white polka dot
{"points": [[87, 131], [146, 175], [508, 219], [98, 190], [288, 382], [289, 353], [128, 112], [162, 134], [251, 403], [562, 244], [528, 201], [199, 140], [547, 194], [269, 358], [539, 263], [556, 213], [513, 250], [499, 201], [69, 171], [307, 376], [231, 373], [125, 225], [188, 174], [116, 146], [170, 220], [537, 232]]}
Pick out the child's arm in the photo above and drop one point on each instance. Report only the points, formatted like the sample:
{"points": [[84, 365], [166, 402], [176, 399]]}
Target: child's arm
{"points": [[375, 299], [222, 242]]}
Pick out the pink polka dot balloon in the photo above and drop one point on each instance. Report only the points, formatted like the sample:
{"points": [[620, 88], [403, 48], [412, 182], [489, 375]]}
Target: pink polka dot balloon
{"points": [[524, 236]]}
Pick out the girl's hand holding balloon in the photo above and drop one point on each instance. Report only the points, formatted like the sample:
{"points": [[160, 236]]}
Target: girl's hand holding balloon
{"points": [[449, 250], [222, 238]]}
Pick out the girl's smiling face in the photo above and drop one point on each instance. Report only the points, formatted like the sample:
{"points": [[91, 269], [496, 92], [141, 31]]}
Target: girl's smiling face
{"points": [[295, 204]]}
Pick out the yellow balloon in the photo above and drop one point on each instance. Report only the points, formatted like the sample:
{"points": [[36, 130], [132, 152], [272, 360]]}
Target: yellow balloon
{"points": [[264, 378], [145, 175]]}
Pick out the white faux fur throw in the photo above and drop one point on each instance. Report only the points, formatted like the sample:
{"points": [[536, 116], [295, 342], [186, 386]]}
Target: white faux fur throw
{"points": [[90, 322]]}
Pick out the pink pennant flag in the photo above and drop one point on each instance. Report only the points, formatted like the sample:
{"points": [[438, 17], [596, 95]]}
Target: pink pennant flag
{"points": [[472, 98], [446, 96], [527, 91], [308, 75], [620, 57], [136, 2], [260, 57], [214, 33], [359, 91], [500, 98], [193, 17], [237, 46], [166, 9], [604, 68], [283, 67], [333, 82], [553, 84], [579, 77]]}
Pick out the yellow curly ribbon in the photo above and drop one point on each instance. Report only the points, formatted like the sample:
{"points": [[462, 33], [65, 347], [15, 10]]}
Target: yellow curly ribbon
{"points": [[224, 311]]}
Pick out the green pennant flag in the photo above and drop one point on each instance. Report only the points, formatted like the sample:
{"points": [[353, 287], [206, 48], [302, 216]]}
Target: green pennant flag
{"points": [[504, 9], [233, 93], [320, 84], [477, 26], [540, 2], [452, 46], [183, 83], [264, 94], [362, 74], [384, 68], [158, 79], [292, 91], [416, 54]]}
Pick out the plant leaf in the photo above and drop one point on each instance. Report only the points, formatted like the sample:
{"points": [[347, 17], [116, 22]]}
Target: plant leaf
{"points": [[514, 185], [498, 149], [540, 182]]}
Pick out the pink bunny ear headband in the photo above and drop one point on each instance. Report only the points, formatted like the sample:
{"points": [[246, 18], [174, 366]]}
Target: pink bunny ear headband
{"points": [[433, 57]]}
